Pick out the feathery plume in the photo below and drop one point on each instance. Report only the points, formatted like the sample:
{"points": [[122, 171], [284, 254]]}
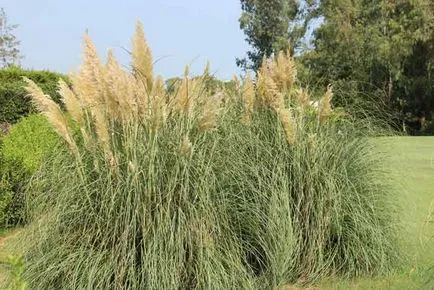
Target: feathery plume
{"points": [[87, 82], [142, 57], [271, 96], [186, 71], [283, 72], [102, 128], [121, 100], [185, 147], [236, 81], [206, 71], [142, 99], [130, 97], [287, 121], [158, 88], [325, 107], [303, 98], [284, 114], [52, 112], [158, 106], [182, 97], [237, 85], [114, 76], [265, 86], [210, 112], [87, 139], [158, 112], [72, 103]]}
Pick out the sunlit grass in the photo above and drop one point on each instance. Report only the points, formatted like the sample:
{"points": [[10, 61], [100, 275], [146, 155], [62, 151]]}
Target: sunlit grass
{"points": [[252, 189], [411, 163]]}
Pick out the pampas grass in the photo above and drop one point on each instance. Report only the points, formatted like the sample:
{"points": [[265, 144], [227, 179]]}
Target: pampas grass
{"points": [[188, 190], [248, 95], [141, 57], [53, 113]]}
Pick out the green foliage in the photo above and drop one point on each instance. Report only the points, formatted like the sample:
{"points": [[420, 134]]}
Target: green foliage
{"points": [[245, 210], [271, 26], [213, 84], [23, 150], [250, 188], [15, 267], [14, 102], [11, 186], [415, 88], [172, 83], [9, 52], [29, 141], [6, 192], [377, 54]]}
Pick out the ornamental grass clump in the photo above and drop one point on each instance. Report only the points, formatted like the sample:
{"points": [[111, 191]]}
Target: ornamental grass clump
{"points": [[192, 190]]}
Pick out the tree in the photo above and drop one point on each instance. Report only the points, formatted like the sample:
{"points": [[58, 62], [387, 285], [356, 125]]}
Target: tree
{"points": [[273, 25], [9, 52], [377, 54], [366, 49]]}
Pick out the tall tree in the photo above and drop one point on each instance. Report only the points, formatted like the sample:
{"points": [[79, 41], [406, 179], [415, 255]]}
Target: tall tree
{"points": [[9, 52], [273, 25], [365, 49]]}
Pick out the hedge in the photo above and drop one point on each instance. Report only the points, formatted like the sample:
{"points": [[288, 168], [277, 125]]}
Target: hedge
{"points": [[14, 102], [22, 152]]}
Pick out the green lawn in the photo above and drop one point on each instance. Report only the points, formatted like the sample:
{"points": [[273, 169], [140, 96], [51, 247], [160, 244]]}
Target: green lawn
{"points": [[411, 162]]}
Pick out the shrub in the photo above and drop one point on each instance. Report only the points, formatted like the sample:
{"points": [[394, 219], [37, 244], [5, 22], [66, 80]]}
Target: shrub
{"points": [[187, 190], [5, 192], [14, 102], [11, 186], [24, 148]]}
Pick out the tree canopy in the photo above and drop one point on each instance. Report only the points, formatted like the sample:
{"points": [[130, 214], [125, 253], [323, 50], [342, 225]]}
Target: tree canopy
{"points": [[375, 53], [9, 51], [272, 26]]}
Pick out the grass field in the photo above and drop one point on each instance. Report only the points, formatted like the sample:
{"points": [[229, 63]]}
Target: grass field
{"points": [[411, 162]]}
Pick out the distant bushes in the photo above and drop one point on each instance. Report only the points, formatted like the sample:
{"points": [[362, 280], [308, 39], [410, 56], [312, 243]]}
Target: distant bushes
{"points": [[14, 102], [21, 154], [211, 83], [187, 189]]}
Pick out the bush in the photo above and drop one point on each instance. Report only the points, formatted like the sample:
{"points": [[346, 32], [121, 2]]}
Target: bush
{"points": [[5, 192], [14, 102], [195, 191], [24, 148]]}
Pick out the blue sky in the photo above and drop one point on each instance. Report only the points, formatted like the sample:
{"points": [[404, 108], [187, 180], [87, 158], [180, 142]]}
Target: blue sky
{"points": [[179, 32]]}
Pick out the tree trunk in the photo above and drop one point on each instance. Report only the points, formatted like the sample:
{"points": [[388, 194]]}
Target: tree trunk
{"points": [[390, 89]]}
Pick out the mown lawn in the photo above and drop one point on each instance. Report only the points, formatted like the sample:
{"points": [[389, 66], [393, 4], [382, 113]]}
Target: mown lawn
{"points": [[411, 163]]}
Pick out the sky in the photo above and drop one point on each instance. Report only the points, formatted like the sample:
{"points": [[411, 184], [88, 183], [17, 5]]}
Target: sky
{"points": [[178, 32]]}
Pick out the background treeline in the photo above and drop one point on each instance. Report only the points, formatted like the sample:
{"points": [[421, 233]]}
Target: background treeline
{"points": [[378, 55]]}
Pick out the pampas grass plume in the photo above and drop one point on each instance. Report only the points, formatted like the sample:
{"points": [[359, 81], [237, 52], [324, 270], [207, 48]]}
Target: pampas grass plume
{"points": [[210, 112], [52, 111], [142, 56]]}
